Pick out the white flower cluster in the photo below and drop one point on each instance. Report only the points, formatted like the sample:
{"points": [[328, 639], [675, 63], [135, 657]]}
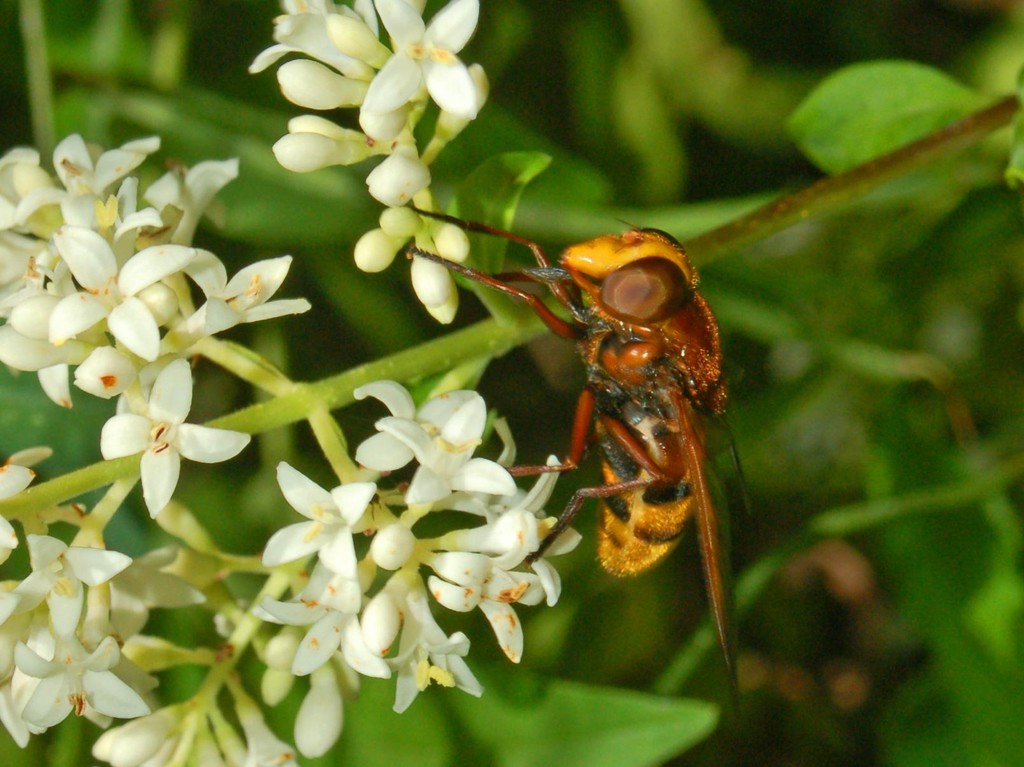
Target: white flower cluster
{"points": [[369, 612], [61, 647], [91, 278], [391, 87]]}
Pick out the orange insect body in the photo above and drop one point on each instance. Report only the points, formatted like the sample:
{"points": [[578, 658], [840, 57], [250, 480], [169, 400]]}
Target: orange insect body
{"points": [[651, 348]]}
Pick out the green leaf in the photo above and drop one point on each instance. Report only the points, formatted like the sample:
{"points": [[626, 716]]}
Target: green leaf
{"points": [[375, 736], [1015, 170], [950, 577], [28, 418], [489, 195], [575, 725], [868, 109]]}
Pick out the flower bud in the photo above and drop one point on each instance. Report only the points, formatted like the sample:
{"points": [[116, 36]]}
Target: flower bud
{"points": [[397, 179], [161, 302], [354, 38], [380, 623], [305, 152], [401, 223], [105, 373], [392, 546], [384, 126], [445, 313], [432, 282], [451, 242], [135, 743], [313, 85], [321, 715], [375, 251]]}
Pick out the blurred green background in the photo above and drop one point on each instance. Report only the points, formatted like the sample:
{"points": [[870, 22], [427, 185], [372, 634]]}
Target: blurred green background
{"points": [[848, 339]]}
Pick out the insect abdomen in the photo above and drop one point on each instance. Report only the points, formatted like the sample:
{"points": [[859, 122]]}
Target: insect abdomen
{"points": [[638, 529]]}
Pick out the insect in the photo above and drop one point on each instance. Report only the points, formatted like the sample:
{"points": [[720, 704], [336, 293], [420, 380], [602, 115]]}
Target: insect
{"points": [[650, 344]]}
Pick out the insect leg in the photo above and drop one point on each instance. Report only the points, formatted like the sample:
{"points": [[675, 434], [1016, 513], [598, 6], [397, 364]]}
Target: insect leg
{"points": [[473, 226], [618, 431], [557, 325], [562, 293], [572, 509], [581, 430]]}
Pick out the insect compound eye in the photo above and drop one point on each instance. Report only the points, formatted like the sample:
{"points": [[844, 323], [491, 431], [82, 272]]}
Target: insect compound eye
{"points": [[646, 290]]}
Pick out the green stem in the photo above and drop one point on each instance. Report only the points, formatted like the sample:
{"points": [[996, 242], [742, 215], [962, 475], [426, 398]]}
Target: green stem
{"points": [[37, 68], [840, 521], [835, 191], [487, 338]]}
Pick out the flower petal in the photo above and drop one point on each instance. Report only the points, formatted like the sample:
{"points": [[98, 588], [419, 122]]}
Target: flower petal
{"points": [[132, 323], [507, 628], [49, 704], [152, 265], [394, 396], [382, 452], [339, 555], [109, 695], [160, 472], [291, 543], [480, 475], [124, 434], [453, 25], [320, 642], [426, 487], [458, 598], [206, 444], [452, 88], [302, 493], [74, 314], [466, 424], [394, 85], [87, 255], [402, 21], [352, 499], [171, 397], [14, 479], [96, 566]]}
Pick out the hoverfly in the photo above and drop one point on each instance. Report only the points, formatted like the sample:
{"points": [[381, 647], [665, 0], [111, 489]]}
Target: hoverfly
{"points": [[651, 348]]}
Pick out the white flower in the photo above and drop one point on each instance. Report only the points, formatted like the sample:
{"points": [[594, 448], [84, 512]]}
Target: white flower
{"points": [[314, 86], [244, 298], [265, 749], [441, 436], [110, 292], [331, 515], [149, 740], [398, 178], [313, 143], [304, 28], [329, 605], [318, 723], [58, 572], [426, 654], [89, 175], [163, 438], [382, 618], [76, 680], [191, 193], [105, 373], [471, 580], [425, 55], [13, 479], [145, 584]]}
